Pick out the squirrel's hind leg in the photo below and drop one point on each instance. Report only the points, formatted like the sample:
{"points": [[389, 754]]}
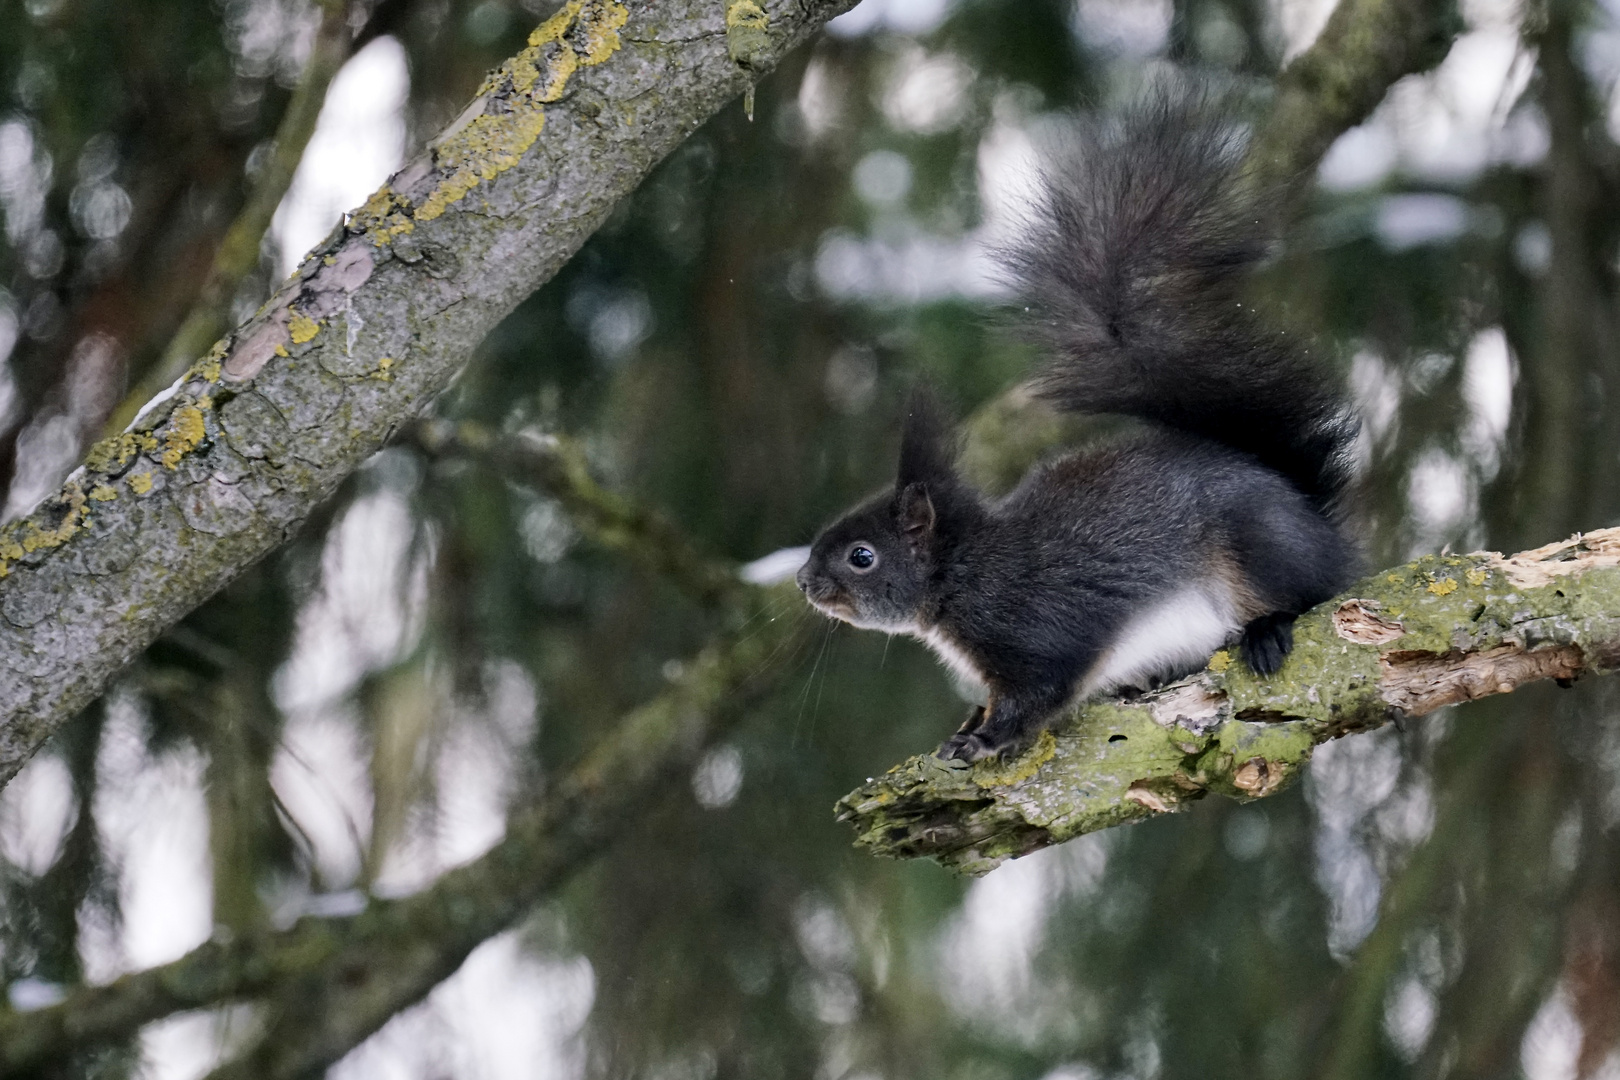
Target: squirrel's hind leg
{"points": [[1267, 641]]}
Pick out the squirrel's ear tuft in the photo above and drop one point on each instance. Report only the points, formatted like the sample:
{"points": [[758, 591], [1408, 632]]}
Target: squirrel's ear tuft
{"points": [[927, 443], [914, 514]]}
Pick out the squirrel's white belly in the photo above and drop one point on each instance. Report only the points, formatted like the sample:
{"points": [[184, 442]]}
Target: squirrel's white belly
{"points": [[969, 679], [1175, 635]]}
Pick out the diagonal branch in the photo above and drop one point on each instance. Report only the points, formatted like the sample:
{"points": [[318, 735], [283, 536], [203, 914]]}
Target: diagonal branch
{"points": [[371, 327], [1366, 46], [1402, 643]]}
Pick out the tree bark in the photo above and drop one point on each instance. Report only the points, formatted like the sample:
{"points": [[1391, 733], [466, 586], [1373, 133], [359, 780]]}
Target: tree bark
{"points": [[1402, 643], [372, 326]]}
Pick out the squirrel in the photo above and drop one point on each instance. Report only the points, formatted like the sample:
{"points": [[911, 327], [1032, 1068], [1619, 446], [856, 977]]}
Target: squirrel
{"points": [[1118, 567]]}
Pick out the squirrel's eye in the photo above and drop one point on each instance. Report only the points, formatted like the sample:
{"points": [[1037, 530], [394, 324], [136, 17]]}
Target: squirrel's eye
{"points": [[862, 557]]}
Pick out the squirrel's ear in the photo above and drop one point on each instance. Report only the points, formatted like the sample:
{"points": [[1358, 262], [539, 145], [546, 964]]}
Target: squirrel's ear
{"points": [[927, 447], [914, 513]]}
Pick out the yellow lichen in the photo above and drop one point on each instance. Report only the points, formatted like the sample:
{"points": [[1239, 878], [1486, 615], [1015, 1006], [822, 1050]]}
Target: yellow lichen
{"points": [[584, 33], [281, 350], [110, 453], [748, 39], [140, 483], [383, 373], [207, 369], [1477, 576], [301, 326], [186, 430], [36, 537], [1443, 587], [746, 13], [103, 493], [383, 216], [29, 536], [116, 451], [1026, 765], [10, 552], [1220, 661]]}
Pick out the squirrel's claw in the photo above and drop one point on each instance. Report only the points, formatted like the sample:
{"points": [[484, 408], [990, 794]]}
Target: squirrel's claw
{"points": [[1266, 643], [967, 746], [983, 743]]}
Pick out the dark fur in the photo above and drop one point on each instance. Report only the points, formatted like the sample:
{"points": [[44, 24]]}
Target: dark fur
{"points": [[1133, 263]]}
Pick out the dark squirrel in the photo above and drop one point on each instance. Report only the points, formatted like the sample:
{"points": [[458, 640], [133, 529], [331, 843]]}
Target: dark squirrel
{"points": [[1118, 567]]}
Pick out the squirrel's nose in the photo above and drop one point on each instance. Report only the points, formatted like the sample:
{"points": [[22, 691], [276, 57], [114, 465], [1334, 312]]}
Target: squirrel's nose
{"points": [[802, 578]]}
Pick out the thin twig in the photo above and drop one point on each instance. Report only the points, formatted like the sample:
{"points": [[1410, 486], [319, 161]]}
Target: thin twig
{"points": [[556, 465]]}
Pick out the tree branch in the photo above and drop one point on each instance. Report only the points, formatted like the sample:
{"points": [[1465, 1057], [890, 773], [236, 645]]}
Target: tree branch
{"points": [[1402, 643], [330, 982], [373, 325], [1366, 46]]}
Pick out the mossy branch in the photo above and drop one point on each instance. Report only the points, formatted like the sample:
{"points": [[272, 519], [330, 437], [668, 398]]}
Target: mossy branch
{"points": [[327, 983], [1402, 643]]}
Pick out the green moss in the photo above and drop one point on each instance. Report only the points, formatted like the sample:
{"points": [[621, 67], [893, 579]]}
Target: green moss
{"points": [[1275, 753], [1002, 773]]}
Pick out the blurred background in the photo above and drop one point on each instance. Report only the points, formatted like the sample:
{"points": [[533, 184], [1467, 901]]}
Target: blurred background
{"points": [[357, 713]]}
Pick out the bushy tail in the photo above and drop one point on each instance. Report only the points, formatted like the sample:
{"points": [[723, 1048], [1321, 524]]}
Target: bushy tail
{"points": [[1132, 264]]}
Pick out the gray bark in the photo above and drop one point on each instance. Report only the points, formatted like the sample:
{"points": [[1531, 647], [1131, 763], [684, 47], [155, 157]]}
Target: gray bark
{"points": [[374, 324]]}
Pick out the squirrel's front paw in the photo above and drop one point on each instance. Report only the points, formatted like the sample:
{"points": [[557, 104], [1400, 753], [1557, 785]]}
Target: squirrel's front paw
{"points": [[980, 743], [959, 746], [967, 746]]}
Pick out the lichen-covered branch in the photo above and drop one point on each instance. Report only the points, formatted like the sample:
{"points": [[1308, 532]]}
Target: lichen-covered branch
{"points": [[371, 327], [556, 465], [329, 982], [1402, 643]]}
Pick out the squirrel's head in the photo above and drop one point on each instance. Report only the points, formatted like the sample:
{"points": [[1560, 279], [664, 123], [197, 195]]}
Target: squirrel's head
{"points": [[872, 566]]}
